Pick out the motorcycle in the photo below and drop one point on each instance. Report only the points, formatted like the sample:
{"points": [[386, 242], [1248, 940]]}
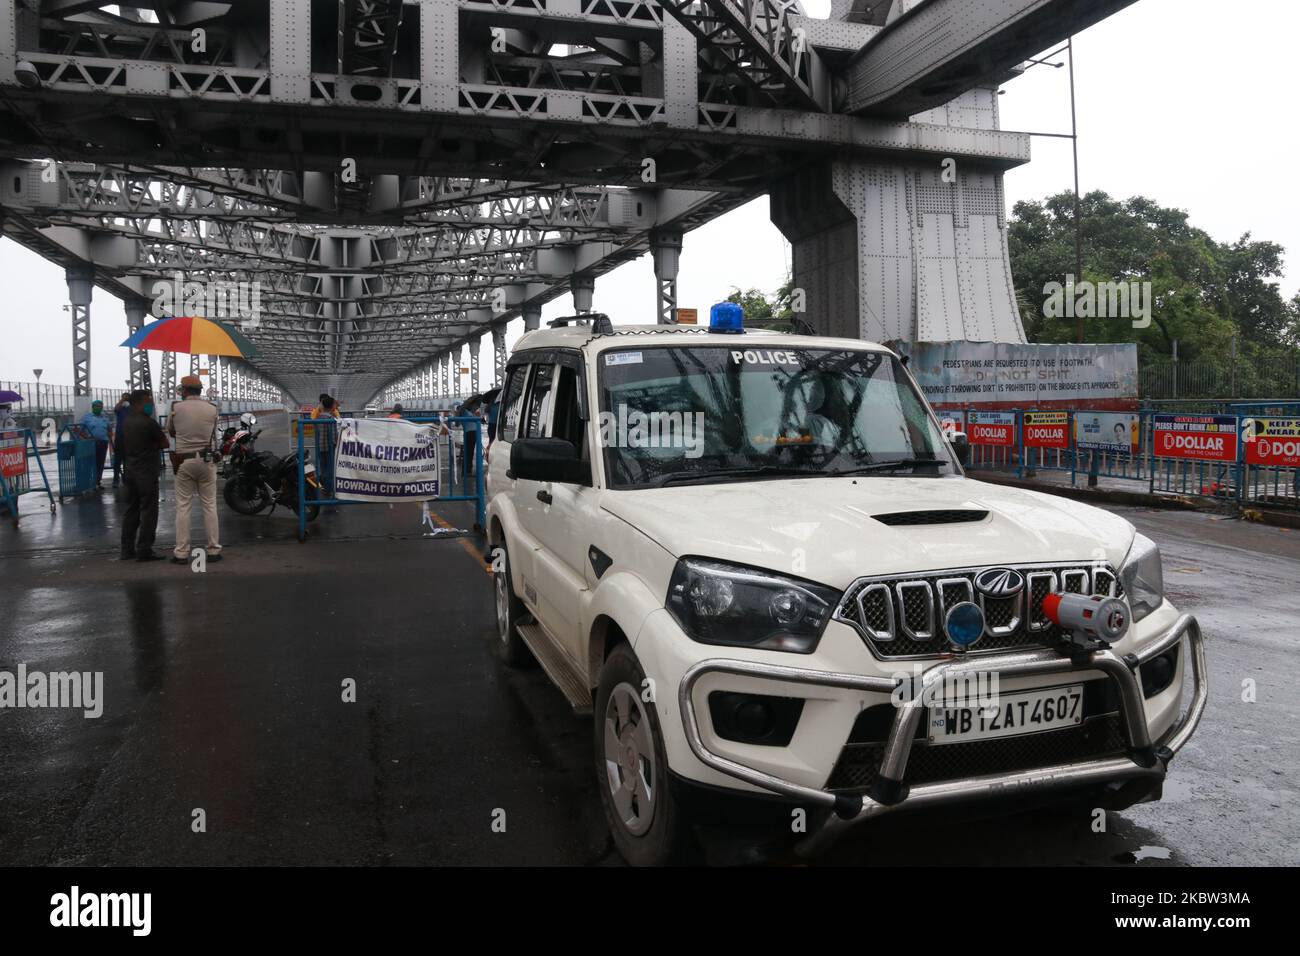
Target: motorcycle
{"points": [[237, 443], [266, 480]]}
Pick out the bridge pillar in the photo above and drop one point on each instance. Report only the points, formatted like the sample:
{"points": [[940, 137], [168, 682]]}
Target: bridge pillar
{"points": [[499, 353], [533, 316], [81, 284], [136, 310], [167, 373], [584, 288], [904, 252], [475, 347], [667, 250]]}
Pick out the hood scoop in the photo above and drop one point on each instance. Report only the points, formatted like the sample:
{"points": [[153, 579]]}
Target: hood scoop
{"points": [[946, 516]]}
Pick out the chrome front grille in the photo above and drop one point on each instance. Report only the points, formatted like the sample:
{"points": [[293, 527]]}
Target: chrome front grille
{"points": [[902, 616]]}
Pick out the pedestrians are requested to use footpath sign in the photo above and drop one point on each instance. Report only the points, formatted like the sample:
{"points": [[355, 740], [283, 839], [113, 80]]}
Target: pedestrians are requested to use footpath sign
{"points": [[386, 459]]}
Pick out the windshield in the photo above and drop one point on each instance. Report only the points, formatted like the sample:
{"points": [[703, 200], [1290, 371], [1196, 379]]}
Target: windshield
{"points": [[715, 413]]}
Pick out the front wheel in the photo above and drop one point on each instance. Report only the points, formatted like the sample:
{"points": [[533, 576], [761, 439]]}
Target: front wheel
{"points": [[510, 611], [238, 501], [648, 827]]}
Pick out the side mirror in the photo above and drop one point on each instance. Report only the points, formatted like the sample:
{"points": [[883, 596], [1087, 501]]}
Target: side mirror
{"points": [[548, 459], [960, 447]]}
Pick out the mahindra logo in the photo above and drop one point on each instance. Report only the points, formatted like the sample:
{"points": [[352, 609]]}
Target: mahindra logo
{"points": [[999, 582]]}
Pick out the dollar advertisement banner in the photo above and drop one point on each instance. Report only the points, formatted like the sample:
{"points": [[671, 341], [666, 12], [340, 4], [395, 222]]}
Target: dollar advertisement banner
{"points": [[992, 428], [997, 374], [13, 461], [1272, 442], [1195, 437], [386, 459], [1047, 430]]}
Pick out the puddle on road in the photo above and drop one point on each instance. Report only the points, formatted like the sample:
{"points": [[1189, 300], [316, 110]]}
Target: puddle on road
{"points": [[1144, 853]]}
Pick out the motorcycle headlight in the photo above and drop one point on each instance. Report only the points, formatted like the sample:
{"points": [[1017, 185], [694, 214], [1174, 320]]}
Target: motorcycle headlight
{"points": [[725, 604], [1143, 577]]}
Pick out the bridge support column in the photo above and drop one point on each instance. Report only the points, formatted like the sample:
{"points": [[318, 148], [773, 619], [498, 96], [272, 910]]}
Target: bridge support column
{"points": [[475, 347], [532, 317], [667, 250], [898, 253], [584, 288], [499, 353], [168, 375], [136, 310], [81, 284]]}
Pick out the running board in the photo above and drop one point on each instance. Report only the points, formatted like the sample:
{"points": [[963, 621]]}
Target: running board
{"points": [[557, 667]]}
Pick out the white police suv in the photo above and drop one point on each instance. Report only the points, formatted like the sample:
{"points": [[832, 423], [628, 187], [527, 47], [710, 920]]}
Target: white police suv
{"points": [[757, 560]]}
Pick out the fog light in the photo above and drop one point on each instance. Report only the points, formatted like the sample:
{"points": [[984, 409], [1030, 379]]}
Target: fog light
{"points": [[754, 718], [1158, 673], [964, 624]]}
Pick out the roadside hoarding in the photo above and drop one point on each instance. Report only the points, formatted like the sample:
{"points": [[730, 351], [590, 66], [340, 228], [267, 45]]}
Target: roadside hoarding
{"points": [[991, 428], [1047, 430], [1195, 437], [1102, 431], [13, 461], [1272, 442], [1005, 375]]}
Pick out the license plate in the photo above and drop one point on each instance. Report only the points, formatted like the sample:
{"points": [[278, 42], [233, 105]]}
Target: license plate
{"points": [[1008, 715]]}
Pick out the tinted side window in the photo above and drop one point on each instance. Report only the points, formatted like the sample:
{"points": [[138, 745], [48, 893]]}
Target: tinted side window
{"points": [[537, 422], [568, 422], [512, 401]]}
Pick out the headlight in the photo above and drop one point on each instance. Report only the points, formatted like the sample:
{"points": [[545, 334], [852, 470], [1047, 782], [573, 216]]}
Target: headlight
{"points": [[743, 607], [1143, 577]]}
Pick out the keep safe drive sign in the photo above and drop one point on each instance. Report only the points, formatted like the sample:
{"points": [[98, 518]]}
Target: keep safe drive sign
{"points": [[386, 459], [1272, 442], [1047, 429], [992, 428], [1195, 437]]}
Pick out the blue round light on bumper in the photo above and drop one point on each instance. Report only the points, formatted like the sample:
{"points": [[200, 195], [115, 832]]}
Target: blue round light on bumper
{"points": [[964, 624]]}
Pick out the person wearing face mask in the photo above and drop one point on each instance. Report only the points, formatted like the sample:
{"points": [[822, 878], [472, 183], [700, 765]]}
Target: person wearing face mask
{"points": [[100, 427], [142, 439]]}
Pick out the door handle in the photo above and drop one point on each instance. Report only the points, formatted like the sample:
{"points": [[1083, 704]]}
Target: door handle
{"points": [[544, 497]]}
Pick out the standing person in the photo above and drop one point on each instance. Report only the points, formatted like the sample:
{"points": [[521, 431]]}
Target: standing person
{"points": [[193, 423], [7, 420], [325, 435], [140, 438], [100, 427], [120, 412], [396, 412], [470, 409]]}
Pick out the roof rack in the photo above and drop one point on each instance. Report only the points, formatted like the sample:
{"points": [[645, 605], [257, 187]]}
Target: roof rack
{"points": [[599, 322]]}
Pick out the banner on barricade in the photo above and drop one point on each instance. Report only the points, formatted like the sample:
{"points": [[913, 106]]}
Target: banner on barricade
{"points": [[386, 459], [1047, 430], [991, 428], [13, 461], [1097, 431], [1195, 437], [1009, 375], [1272, 442]]}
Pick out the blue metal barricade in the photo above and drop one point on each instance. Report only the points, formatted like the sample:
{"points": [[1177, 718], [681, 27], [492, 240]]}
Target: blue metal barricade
{"points": [[322, 433], [76, 455], [17, 447]]}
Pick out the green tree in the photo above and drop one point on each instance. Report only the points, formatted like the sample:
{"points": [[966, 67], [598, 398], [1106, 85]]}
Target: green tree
{"points": [[764, 311]]}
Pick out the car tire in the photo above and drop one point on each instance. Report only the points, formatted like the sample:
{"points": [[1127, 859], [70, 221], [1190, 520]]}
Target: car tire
{"points": [[648, 825], [510, 612]]}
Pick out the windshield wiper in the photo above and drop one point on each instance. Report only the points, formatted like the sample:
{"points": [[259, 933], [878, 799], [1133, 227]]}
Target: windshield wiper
{"points": [[892, 465], [762, 471]]}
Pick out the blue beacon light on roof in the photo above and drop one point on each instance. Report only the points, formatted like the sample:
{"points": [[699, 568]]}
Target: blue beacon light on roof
{"points": [[727, 317]]}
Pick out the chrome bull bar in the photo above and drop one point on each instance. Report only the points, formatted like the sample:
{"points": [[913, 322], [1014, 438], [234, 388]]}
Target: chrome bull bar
{"points": [[1145, 758]]}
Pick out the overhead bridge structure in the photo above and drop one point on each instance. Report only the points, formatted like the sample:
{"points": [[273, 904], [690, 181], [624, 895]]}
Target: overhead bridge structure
{"points": [[368, 187]]}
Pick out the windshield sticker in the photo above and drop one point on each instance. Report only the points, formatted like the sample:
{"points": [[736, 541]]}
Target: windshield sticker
{"points": [[765, 357], [622, 358]]}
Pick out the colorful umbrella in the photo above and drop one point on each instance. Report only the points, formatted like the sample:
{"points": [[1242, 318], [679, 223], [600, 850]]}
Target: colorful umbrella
{"points": [[192, 335], [8, 398]]}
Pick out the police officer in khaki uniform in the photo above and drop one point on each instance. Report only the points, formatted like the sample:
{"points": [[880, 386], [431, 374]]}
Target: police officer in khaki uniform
{"points": [[193, 423]]}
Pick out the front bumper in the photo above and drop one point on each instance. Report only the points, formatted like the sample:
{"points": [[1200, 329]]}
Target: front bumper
{"points": [[1145, 758]]}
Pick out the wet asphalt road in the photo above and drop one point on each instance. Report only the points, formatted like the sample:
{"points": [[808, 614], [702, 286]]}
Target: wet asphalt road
{"points": [[223, 693]]}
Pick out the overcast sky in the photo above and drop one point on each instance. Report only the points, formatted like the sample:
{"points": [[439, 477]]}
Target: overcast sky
{"points": [[1188, 102]]}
